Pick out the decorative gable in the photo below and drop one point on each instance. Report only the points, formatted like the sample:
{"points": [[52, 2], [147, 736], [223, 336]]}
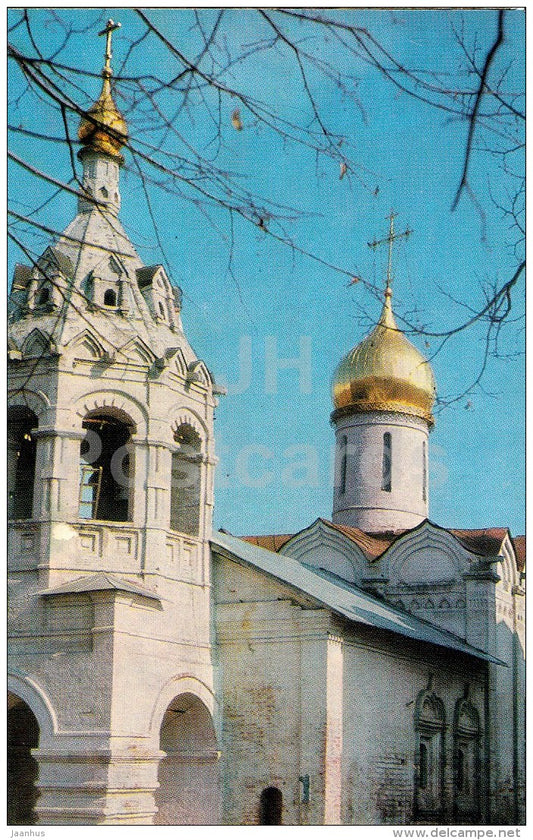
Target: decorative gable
{"points": [[87, 346], [322, 547], [198, 373], [37, 344], [156, 290], [427, 555], [137, 351], [53, 261]]}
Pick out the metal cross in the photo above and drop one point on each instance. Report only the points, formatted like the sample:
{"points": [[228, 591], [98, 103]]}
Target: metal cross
{"points": [[390, 239], [108, 32]]}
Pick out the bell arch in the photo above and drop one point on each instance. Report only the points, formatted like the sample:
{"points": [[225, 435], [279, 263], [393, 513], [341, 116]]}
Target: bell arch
{"points": [[107, 466], [36, 401], [22, 424], [115, 402], [180, 416], [186, 481]]}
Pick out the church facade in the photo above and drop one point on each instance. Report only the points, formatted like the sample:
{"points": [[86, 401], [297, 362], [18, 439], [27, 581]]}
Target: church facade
{"points": [[366, 670]]}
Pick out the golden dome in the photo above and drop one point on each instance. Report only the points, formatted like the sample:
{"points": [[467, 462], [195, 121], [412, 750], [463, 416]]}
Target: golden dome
{"points": [[111, 132], [385, 372]]}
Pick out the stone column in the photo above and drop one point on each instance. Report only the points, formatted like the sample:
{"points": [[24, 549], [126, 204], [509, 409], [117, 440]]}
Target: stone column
{"points": [[139, 482], [57, 474], [321, 699], [158, 467], [83, 782]]}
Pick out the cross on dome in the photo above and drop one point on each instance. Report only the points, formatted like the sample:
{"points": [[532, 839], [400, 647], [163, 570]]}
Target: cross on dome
{"points": [[104, 130], [110, 27], [390, 239]]}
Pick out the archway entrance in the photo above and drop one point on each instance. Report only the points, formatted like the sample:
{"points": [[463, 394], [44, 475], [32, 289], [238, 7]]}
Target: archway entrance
{"points": [[22, 768], [270, 806], [189, 785]]}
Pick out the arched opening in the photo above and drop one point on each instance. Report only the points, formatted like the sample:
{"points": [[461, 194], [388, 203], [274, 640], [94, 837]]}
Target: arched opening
{"points": [[189, 786], [161, 309], [466, 755], [343, 464], [110, 297], [22, 768], [185, 485], [429, 764], [106, 468], [270, 806], [386, 463], [22, 449]]}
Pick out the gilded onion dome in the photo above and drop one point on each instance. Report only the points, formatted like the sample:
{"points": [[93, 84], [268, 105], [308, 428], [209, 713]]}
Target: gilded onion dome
{"points": [[385, 372], [104, 129]]}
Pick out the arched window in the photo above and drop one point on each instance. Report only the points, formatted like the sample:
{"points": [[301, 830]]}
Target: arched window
{"points": [[429, 762], [106, 468], [424, 472], [386, 464], [185, 485], [460, 771], [343, 464], [110, 297], [466, 760], [270, 806], [21, 462], [43, 296], [161, 309], [423, 766]]}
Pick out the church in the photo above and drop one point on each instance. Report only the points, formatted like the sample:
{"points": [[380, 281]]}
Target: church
{"points": [[367, 670]]}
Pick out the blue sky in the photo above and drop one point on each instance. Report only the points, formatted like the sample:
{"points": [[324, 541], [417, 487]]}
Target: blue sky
{"points": [[273, 435]]}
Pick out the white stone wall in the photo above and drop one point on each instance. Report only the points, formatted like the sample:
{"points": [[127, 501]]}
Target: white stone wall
{"points": [[307, 694], [364, 504], [382, 682], [280, 680]]}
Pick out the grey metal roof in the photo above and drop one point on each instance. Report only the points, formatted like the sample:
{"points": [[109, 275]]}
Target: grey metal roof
{"points": [[343, 598], [99, 583]]}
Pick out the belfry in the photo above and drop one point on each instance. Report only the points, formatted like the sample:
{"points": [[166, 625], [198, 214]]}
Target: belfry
{"points": [[366, 670], [111, 493]]}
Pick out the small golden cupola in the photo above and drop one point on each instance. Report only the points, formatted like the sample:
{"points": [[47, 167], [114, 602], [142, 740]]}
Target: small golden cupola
{"points": [[104, 129], [385, 372]]}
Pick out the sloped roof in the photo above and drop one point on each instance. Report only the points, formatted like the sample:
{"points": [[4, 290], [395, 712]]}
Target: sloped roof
{"points": [[273, 542], [99, 583], [482, 541], [22, 276], [146, 274], [372, 546], [520, 551], [343, 598], [64, 263]]}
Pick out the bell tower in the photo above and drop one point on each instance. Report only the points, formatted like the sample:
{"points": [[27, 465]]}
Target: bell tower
{"points": [[383, 392], [110, 473]]}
